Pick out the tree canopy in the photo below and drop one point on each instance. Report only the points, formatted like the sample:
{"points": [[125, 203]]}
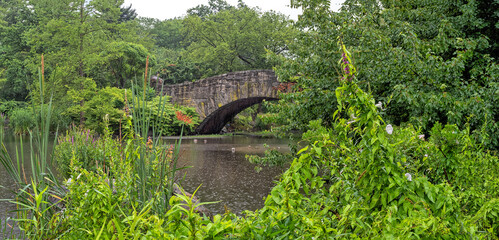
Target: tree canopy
{"points": [[424, 61]]}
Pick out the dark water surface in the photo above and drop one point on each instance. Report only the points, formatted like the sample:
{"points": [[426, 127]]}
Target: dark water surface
{"points": [[8, 186], [218, 166]]}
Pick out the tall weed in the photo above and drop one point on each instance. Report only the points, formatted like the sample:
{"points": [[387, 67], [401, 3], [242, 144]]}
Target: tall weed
{"points": [[39, 191]]}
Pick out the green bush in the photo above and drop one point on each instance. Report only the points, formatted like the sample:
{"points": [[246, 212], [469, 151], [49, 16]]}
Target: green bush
{"points": [[96, 207], [242, 123], [83, 148], [22, 120], [166, 118], [58, 119], [7, 106], [108, 103]]}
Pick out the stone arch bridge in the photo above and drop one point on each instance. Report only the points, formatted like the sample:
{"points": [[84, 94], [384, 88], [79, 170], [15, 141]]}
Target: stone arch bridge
{"points": [[218, 99]]}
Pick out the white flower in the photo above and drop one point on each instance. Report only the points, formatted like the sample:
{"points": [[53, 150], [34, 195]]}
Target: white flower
{"points": [[389, 129], [426, 155], [409, 177], [421, 136], [379, 105], [68, 182]]}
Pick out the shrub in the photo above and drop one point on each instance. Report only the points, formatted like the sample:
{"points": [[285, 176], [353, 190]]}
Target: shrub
{"points": [[109, 102], [242, 123], [7, 106], [22, 120], [166, 118], [82, 147]]}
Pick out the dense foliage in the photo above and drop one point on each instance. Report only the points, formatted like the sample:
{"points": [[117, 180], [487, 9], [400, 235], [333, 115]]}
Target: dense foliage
{"points": [[91, 49], [235, 39], [361, 178], [424, 61], [399, 100]]}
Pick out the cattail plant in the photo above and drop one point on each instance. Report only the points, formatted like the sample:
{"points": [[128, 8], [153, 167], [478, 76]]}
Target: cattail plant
{"points": [[154, 181], [36, 211]]}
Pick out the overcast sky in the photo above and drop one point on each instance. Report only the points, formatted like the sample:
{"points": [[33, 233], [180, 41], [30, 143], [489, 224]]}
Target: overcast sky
{"points": [[166, 9]]}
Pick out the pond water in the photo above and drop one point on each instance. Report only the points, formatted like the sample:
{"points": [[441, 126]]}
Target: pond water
{"points": [[218, 168]]}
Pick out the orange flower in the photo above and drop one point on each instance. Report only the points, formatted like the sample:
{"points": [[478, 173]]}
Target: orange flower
{"points": [[184, 118], [149, 142]]}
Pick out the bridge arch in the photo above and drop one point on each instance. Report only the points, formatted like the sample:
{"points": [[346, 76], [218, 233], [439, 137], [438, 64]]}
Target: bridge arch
{"points": [[218, 99], [215, 122]]}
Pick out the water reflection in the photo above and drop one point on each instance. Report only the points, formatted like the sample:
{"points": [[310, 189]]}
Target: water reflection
{"points": [[226, 176], [9, 186]]}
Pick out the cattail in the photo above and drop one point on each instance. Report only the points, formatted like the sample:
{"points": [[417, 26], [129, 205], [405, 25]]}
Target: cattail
{"points": [[43, 68], [43, 76], [145, 76]]}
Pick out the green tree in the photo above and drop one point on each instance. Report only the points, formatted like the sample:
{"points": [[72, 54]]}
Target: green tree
{"points": [[85, 40], [127, 14], [124, 61], [213, 7], [168, 33], [15, 20], [424, 61], [235, 39], [173, 68]]}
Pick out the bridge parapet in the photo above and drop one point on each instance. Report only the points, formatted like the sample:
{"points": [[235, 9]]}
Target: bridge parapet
{"points": [[209, 94]]}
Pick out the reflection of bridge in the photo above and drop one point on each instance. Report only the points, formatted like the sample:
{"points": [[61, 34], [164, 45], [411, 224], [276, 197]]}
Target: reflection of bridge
{"points": [[218, 99]]}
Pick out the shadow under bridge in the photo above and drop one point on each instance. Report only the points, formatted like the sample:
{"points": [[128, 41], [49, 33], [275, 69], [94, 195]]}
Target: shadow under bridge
{"points": [[215, 122]]}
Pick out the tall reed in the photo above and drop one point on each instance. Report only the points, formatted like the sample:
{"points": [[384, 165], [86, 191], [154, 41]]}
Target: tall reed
{"points": [[35, 191], [147, 134], [2, 125]]}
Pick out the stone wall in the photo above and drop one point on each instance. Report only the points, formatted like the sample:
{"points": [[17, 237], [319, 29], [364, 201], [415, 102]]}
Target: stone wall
{"points": [[208, 94]]}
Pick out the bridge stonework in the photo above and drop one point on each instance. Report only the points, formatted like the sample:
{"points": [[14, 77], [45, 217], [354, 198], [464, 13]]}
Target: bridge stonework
{"points": [[208, 95]]}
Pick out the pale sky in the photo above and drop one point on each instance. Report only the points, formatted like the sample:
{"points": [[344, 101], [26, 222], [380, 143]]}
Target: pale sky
{"points": [[166, 9]]}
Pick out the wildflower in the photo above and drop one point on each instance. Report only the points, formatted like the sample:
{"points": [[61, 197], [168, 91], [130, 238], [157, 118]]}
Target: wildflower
{"points": [[421, 136], [68, 182], [389, 129], [345, 59], [184, 118], [426, 155], [149, 142], [379, 105], [409, 177]]}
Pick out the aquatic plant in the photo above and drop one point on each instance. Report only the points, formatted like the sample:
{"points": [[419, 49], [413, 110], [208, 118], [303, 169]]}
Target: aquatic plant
{"points": [[39, 190]]}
